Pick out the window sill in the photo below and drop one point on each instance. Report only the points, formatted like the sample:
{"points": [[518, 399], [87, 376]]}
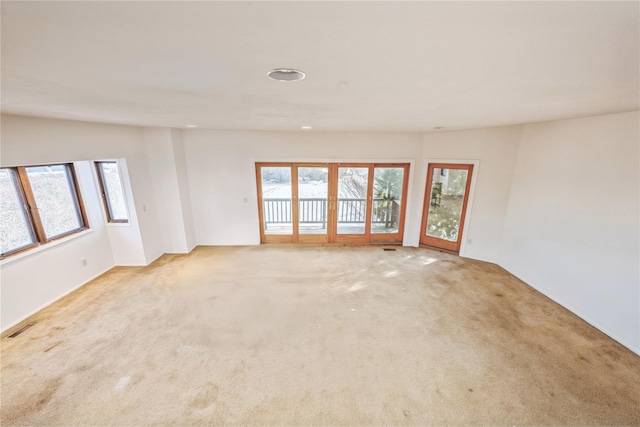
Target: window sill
{"points": [[44, 247], [118, 224]]}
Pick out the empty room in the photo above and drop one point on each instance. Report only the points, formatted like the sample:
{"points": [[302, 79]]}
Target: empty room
{"points": [[320, 213]]}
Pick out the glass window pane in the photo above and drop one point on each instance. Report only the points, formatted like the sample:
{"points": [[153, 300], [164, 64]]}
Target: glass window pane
{"points": [[55, 198], [353, 184], [387, 199], [445, 203], [276, 199], [15, 229], [313, 191], [114, 192]]}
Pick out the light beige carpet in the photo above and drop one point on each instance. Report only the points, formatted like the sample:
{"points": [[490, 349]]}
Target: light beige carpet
{"points": [[277, 335]]}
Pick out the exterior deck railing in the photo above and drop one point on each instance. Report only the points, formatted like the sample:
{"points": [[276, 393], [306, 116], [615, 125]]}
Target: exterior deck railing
{"points": [[314, 211]]}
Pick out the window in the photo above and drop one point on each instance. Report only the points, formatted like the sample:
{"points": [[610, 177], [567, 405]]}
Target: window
{"points": [[16, 229], [112, 192], [38, 204]]}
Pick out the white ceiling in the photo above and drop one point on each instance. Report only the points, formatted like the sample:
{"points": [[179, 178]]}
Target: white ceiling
{"points": [[371, 66]]}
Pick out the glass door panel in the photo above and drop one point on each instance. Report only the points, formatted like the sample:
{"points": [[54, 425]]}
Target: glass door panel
{"points": [[388, 193], [445, 205], [313, 194], [331, 202], [353, 188], [277, 218]]}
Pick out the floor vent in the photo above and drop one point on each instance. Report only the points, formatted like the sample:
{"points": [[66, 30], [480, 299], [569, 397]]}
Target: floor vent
{"points": [[388, 249], [21, 330]]}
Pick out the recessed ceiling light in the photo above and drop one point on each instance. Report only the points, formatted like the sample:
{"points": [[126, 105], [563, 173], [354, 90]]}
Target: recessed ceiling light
{"points": [[192, 126], [306, 127], [286, 74]]}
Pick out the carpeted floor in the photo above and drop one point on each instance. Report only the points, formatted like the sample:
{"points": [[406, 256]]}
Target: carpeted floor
{"points": [[277, 335]]}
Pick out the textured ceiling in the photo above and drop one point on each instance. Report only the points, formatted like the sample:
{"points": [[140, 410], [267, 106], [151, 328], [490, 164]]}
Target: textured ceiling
{"points": [[380, 66]]}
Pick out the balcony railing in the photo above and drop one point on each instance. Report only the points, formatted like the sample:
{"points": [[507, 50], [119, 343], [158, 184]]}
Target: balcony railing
{"points": [[314, 211]]}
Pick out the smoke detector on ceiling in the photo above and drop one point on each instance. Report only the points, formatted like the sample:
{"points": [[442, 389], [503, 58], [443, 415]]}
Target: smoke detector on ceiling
{"points": [[286, 74]]}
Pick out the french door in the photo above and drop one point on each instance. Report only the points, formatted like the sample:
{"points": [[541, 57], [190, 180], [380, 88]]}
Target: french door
{"points": [[445, 205], [331, 202]]}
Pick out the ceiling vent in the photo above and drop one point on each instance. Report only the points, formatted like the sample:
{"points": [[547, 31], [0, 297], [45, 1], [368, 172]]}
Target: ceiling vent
{"points": [[286, 74]]}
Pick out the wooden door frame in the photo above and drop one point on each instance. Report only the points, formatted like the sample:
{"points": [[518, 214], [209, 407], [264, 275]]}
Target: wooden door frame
{"points": [[441, 243], [295, 236], [311, 238], [332, 213], [354, 238], [273, 238], [399, 236]]}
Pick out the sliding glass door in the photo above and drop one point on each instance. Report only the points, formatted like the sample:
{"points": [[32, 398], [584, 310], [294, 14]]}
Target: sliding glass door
{"points": [[331, 203], [389, 188], [276, 210], [313, 205], [352, 207]]}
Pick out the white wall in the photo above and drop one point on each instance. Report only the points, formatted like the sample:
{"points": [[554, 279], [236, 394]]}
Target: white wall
{"points": [[37, 278], [556, 204], [221, 167], [125, 239], [222, 180], [572, 228], [494, 149], [165, 152], [182, 177], [31, 282]]}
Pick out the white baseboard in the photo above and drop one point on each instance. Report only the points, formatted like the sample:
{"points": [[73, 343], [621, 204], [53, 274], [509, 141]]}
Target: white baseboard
{"points": [[54, 300], [613, 336]]}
